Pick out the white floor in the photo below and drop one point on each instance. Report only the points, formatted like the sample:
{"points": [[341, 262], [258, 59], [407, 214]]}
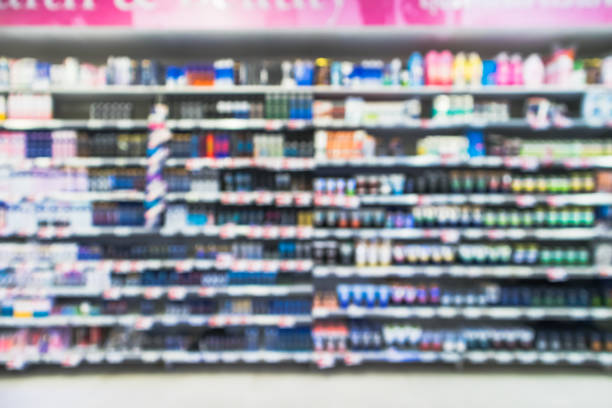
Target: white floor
{"points": [[296, 389]]}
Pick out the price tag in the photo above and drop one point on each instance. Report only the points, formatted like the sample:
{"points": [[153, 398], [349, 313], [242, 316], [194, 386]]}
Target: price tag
{"points": [[284, 199], [17, 363], [223, 261], [227, 232], [528, 357], [496, 234], [228, 198], [251, 265], [255, 232], [605, 272], [554, 201], [325, 360], [177, 293], [143, 323], [556, 274], [353, 359], [206, 292], [150, 357], [287, 232], [270, 266], [153, 293], [304, 232], [303, 266], [122, 266], [576, 358], [477, 357], [525, 201], [263, 198], [472, 313], [114, 357], [270, 232], [449, 236], [286, 321], [112, 294], [242, 198], [303, 199], [549, 358], [535, 313], [184, 266], [504, 357]]}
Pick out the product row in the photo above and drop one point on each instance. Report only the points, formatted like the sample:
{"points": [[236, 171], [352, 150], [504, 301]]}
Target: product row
{"points": [[455, 216], [241, 144], [375, 252], [284, 249], [463, 295], [42, 308], [456, 182], [170, 277], [562, 67], [180, 216], [207, 180], [357, 144], [61, 144], [92, 339], [270, 106], [372, 336]]}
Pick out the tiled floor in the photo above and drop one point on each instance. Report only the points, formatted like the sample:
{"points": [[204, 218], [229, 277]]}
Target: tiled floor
{"points": [[295, 388]]}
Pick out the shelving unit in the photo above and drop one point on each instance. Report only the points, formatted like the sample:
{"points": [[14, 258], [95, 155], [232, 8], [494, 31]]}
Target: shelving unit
{"points": [[112, 279]]}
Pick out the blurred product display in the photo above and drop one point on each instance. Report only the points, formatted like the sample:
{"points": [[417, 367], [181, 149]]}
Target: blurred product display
{"points": [[442, 207]]}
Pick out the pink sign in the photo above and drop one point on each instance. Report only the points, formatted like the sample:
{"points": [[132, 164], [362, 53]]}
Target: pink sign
{"points": [[260, 14]]}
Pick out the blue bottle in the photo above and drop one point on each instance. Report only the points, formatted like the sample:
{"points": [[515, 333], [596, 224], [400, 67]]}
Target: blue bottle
{"points": [[489, 71], [416, 70]]}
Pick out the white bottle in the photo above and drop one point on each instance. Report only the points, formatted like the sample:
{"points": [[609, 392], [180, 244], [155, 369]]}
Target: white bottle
{"points": [[361, 253], [533, 71]]}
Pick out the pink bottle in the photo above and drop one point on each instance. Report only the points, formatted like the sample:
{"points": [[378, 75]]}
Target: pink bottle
{"points": [[446, 68], [432, 68], [516, 70], [503, 69]]}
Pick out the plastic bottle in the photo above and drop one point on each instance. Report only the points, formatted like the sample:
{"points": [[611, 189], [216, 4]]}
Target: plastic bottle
{"points": [[474, 70], [516, 70], [533, 71], [502, 76], [432, 68], [416, 70], [460, 73], [446, 68]]}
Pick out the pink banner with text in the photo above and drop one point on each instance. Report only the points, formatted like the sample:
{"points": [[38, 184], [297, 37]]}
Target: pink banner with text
{"points": [[260, 14]]}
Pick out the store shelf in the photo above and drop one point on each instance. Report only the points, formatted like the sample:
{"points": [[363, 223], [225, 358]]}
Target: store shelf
{"points": [[269, 163], [52, 162], [239, 124], [510, 162], [552, 273], [273, 124], [146, 322], [439, 124], [455, 234], [76, 196], [327, 360], [520, 200], [484, 312], [222, 262], [156, 292], [77, 357], [224, 232], [317, 90], [33, 124], [278, 198]]}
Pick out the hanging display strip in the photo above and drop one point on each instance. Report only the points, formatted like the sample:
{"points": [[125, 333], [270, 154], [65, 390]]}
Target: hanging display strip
{"points": [[379, 216]]}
